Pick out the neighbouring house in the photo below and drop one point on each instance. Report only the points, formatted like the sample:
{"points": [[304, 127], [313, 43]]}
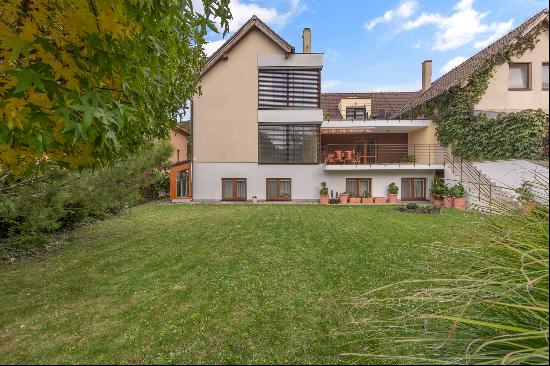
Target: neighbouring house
{"points": [[179, 138], [262, 128], [180, 168], [520, 84]]}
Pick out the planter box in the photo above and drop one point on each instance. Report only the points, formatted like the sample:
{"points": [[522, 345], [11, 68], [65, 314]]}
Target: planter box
{"points": [[367, 200], [355, 200], [437, 202], [448, 202], [392, 198], [459, 202], [323, 200], [343, 198], [379, 199]]}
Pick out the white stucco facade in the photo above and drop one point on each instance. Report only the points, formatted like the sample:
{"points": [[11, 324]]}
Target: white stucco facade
{"points": [[305, 179]]}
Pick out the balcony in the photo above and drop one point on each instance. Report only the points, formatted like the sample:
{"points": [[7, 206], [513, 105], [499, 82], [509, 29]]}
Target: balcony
{"points": [[382, 156]]}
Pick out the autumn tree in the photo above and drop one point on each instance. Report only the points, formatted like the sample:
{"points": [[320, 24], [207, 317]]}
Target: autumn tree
{"points": [[83, 82]]}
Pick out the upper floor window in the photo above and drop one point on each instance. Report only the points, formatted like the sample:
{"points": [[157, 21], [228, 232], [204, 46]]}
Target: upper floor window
{"points": [[289, 88], [545, 76], [519, 76], [356, 113], [288, 144]]}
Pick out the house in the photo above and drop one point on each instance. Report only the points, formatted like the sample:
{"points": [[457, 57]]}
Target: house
{"points": [[180, 168], [262, 128], [179, 141], [517, 85]]}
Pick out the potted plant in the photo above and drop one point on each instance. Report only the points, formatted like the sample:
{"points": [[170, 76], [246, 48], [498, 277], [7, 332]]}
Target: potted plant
{"points": [[367, 198], [408, 159], [448, 199], [343, 197], [354, 199], [458, 192], [323, 192], [392, 193], [438, 191]]}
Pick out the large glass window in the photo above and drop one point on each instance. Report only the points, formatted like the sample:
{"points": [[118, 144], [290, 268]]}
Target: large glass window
{"points": [[233, 189], [413, 189], [278, 189], [288, 144], [182, 183], [519, 76], [355, 187], [545, 76], [288, 88]]}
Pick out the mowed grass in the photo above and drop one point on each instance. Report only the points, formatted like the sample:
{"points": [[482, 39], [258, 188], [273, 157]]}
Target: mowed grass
{"points": [[215, 283]]}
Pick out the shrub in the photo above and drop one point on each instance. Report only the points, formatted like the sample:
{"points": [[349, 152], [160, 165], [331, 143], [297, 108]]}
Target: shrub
{"points": [[59, 199], [409, 158], [158, 188], [393, 188], [366, 194], [412, 206], [457, 190], [525, 192], [324, 190], [439, 189]]}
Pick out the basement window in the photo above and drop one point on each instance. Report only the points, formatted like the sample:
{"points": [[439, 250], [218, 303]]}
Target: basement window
{"points": [[519, 76]]}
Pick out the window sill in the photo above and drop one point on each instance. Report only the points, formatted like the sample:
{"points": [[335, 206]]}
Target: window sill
{"points": [[519, 89]]}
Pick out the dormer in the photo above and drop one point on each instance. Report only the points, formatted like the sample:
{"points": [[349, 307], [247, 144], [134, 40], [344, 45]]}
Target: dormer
{"points": [[355, 108]]}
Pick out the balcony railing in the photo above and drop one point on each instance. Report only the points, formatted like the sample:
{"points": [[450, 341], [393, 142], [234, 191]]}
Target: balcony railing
{"points": [[383, 154]]}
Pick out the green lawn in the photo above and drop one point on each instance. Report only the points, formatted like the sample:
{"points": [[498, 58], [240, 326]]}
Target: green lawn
{"points": [[215, 283]]}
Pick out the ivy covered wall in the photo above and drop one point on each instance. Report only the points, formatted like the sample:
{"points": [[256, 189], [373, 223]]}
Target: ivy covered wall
{"points": [[475, 136]]}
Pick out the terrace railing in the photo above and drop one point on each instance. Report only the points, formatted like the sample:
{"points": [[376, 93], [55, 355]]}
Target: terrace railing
{"points": [[383, 154]]}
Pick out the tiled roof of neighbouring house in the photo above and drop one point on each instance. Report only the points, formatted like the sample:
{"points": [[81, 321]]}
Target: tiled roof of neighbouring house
{"points": [[390, 102], [463, 72]]}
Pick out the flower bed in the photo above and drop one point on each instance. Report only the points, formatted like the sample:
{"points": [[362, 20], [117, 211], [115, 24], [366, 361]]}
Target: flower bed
{"points": [[414, 208]]}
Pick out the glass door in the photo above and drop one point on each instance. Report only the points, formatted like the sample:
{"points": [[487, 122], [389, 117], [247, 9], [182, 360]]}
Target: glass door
{"points": [[182, 183]]}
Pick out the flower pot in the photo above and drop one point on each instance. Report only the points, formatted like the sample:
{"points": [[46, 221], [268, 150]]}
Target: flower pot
{"points": [[343, 198], [459, 202], [367, 200], [437, 201], [379, 199], [448, 201], [355, 200], [392, 198], [323, 200]]}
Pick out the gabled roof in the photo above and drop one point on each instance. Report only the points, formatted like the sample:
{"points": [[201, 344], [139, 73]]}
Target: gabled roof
{"points": [[391, 102], [183, 127], [252, 23], [461, 74]]}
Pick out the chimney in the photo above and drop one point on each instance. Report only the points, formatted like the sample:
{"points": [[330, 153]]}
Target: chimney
{"points": [[426, 75], [306, 37]]}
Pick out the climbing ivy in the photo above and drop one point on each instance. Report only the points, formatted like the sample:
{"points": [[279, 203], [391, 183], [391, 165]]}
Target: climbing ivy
{"points": [[474, 135]]}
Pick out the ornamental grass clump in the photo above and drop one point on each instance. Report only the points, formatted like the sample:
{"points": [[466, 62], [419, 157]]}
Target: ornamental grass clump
{"points": [[489, 307]]}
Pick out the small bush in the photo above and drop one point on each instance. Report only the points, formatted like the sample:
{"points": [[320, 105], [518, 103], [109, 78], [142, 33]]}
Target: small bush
{"points": [[393, 188], [412, 206]]}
